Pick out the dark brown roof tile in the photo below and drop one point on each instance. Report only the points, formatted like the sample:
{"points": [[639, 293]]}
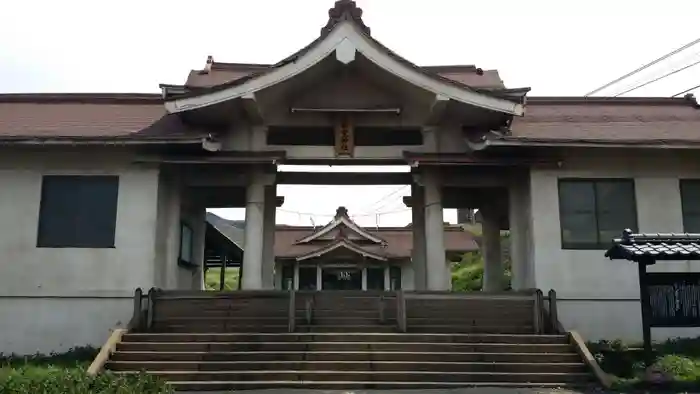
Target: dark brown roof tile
{"points": [[52, 116]]}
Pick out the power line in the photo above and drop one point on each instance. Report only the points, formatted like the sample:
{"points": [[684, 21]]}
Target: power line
{"points": [[686, 91], [659, 78], [321, 215], [684, 47], [383, 198]]}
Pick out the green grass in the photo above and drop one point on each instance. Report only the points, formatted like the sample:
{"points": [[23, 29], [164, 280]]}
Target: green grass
{"points": [[213, 279]]}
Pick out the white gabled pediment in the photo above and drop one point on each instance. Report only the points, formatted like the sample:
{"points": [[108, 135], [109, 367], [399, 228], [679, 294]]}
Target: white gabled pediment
{"points": [[344, 41], [344, 244], [341, 220]]}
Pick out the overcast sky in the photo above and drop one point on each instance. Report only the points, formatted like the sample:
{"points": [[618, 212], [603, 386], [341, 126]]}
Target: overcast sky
{"points": [[556, 47]]}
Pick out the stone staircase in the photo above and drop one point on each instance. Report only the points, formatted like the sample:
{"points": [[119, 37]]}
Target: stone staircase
{"points": [[348, 341]]}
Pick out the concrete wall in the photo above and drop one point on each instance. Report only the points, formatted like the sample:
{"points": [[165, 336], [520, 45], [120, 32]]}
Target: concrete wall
{"points": [[599, 297], [52, 299]]}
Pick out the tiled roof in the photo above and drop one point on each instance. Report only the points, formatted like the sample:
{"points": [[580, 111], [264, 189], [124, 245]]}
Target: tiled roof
{"points": [[227, 72], [608, 120], [399, 240], [638, 247]]}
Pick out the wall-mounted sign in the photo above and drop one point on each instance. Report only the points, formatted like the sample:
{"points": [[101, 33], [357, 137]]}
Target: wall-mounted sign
{"points": [[344, 275], [345, 138]]}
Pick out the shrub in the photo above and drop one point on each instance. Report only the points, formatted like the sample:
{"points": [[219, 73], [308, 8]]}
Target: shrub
{"points": [[80, 355], [679, 367], [54, 380]]}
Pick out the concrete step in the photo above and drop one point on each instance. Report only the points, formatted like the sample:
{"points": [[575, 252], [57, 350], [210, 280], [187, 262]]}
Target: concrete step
{"points": [[342, 346], [375, 376], [346, 337], [331, 356], [271, 366], [212, 313], [221, 328], [373, 328], [228, 320], [472, 321], [469, 329], [354, 385], [349, 320]]}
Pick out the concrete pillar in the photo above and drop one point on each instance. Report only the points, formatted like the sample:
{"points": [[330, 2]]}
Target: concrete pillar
{"points": [[520, 238], [296, 276], [269, 218], [364, 278], [387, 279], [436, 261], [278, 276], [253, 250], [418, 260], [200, 229], [491, 250]]}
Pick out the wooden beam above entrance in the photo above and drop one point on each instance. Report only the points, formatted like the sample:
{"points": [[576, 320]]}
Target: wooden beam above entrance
{"points": [[344, 178]]}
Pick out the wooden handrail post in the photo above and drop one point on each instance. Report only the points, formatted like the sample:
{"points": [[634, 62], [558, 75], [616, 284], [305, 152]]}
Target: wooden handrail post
{"points": [[151, 307], [381, 309], [136, 317], [553, 315], [292, 310], [537, 323], [401, 310], [308, 307]]}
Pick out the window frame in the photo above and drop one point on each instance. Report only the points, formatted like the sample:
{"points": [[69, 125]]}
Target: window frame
{"points": [[43, 240], [600, 244], [186, 240], [684, 207]]}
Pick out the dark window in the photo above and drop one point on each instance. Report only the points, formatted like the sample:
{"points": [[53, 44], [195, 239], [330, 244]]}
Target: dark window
{"points": [[287, 277], [307, 278], [78, 211], [593, 212], [375, 278], [395, 278], [690, 202], [186, 244]]}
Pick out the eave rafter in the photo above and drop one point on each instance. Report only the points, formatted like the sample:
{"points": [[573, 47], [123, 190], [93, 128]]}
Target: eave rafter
{"points": [[345, 38], [251, 107], [437, 109], [342, 243]]}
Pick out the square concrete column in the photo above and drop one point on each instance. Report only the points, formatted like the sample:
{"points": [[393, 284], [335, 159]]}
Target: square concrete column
{"points": [[252, 275], [520, 228], [491, 250], [436, 260], [418, 260], [269, 218]]}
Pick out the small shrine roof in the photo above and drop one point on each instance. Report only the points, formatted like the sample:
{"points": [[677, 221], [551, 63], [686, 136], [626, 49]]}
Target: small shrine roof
{"points": [[342, 222], [344, 243], [644, 247]]}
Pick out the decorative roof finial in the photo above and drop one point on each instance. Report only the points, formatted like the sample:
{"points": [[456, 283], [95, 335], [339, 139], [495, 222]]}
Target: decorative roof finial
{"points": [[341, 211], [210, 62], [344, 10]]}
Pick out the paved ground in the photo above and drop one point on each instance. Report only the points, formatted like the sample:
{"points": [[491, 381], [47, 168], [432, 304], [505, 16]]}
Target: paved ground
{"points": [[474, 390]]}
